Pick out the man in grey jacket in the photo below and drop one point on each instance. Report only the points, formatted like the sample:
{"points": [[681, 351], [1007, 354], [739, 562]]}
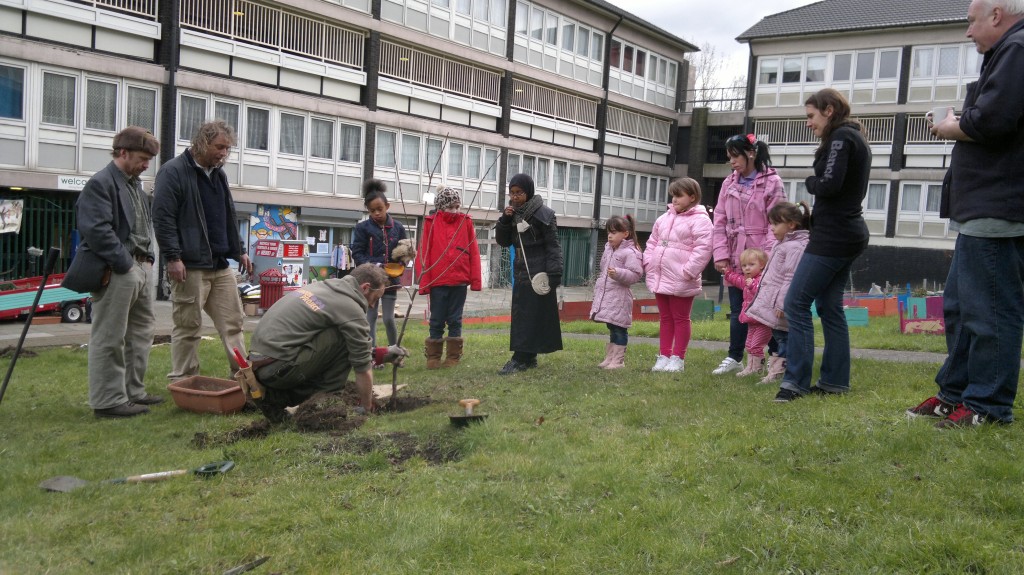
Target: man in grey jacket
{"points": [[113, 218], [196, 227]]}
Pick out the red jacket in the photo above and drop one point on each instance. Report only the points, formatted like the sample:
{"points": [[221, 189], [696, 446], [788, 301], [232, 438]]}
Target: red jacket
{"points": [[448, 253]]}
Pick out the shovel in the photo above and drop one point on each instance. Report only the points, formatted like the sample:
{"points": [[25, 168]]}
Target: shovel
{"points": [[65, 483]]}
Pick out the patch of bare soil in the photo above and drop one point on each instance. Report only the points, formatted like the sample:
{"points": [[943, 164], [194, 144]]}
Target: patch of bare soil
{"points": [[255, 430], [398, 447], [9, 352], [161, 339]]}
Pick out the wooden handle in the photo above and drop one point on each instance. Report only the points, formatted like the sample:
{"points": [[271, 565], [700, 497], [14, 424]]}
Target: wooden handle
{"points": [[156, 476]]}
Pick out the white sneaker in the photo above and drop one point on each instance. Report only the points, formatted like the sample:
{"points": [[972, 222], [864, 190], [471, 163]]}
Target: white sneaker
{"points": [[660, 364], [728, 364], [675, 364]]}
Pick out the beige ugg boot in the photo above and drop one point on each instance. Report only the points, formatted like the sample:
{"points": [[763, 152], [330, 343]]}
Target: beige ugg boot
{"points": [[754, 365], [454, 353], [432, 348], [776, 369], [618, 357], [607, 356]]}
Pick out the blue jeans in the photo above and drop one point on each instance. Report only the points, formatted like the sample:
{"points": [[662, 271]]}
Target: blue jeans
{"points": [[446, 305], [983, 305], [617, 334], [781, 337], [737, 329], [818, 279]]}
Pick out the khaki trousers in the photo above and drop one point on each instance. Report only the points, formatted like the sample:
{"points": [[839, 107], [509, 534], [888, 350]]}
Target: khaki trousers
{"points": [[216, 293]]}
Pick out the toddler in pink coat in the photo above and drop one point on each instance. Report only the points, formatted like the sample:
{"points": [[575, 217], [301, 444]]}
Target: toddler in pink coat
{"points": [[752, 262], [621, 267]]}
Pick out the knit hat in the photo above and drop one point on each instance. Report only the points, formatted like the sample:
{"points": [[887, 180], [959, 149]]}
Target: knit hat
{"points": [[446, 198], [523, 182]]}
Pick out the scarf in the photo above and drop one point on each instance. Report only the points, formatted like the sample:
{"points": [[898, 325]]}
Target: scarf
{"points": [[526, 211]]}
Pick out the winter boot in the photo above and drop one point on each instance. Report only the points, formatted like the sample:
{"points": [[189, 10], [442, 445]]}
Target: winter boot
{"points": [[432, 349], [454, 353], [607, 356], [617, 354], [754, 365], [776, 369]]}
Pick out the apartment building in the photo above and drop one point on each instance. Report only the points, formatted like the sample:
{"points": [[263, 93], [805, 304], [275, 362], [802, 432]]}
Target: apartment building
{"points": [[894, 61], [324, 94]]}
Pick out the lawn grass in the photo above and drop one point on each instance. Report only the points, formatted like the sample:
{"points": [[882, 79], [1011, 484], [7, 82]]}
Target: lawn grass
{"points": [[577, 470]]}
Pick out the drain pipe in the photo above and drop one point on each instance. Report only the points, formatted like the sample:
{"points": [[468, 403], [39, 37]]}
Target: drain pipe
{"points": [[170, 55], [602, 129]]}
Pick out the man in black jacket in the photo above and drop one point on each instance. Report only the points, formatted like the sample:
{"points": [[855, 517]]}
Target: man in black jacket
{"points": [[983, 196], [195, 222], [113, 218]]}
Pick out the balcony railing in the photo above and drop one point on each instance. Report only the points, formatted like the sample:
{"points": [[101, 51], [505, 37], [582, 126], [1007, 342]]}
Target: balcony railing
{"points": [[404, 63], [919, 131], [879, 130], [639, 126], [275, 28], [553, 103], [145, 8]]}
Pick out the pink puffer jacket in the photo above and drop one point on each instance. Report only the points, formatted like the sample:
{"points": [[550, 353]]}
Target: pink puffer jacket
{"points": [[741, 220], [775, 280], [678, 251], [736, 279], [613, 300]]}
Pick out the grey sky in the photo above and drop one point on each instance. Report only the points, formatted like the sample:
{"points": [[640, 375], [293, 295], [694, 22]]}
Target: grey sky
{"points": [[714, 22]]}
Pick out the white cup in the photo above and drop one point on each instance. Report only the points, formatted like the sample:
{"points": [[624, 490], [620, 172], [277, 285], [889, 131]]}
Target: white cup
{"points": [[939, 113]]}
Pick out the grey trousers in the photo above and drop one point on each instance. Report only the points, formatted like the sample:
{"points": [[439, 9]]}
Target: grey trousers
{"points": [[121, 337], [387, 306], [321, 366]]}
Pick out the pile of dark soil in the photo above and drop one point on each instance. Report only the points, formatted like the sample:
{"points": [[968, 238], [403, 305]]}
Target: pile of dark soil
{"points": [[255, 430], [9, 352], [397, 447]]}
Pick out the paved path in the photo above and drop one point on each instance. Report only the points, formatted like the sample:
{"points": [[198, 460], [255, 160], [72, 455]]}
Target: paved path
{"points": [[486, 302]]}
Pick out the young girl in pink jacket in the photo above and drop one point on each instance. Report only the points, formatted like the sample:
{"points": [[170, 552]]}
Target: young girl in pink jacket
{"points": [[677, 252], [621, 267], [752, 262]]}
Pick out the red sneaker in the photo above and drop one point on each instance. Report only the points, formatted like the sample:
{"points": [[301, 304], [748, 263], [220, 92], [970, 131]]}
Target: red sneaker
{"points": [[962, 416], [932, 407]]}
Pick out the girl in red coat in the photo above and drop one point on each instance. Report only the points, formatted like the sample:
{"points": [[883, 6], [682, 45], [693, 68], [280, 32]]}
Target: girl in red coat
{"points": [[448, 263]]}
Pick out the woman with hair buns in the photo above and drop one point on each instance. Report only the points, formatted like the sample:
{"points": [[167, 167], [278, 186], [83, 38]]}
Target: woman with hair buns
{"points": [[372, 242], [448, 263], [531, 228], [741, 222]]}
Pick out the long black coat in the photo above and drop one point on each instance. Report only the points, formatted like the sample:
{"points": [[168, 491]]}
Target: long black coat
{"points": [[535, 326]]}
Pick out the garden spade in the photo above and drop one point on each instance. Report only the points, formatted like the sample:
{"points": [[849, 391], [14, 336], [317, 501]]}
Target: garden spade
{"points": [[65, 483]]}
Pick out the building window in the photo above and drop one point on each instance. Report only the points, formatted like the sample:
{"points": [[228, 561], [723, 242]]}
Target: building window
{"points": [[473, 162], [385, 154], [841, 67], [876, 197], [58, 99], [191, 115], [101, 105], [768, 72], [791, 68], [228, 112], [456, 160], [257, 128], [410, 152], [321, 139], [351, 142], [815, 69], [434, 148], [140, 109], [12, 92], [491, 157], [293, 130]]}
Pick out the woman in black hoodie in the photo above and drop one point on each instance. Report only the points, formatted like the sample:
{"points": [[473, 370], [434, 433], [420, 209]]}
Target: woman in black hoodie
{"points": [[842, 166]]}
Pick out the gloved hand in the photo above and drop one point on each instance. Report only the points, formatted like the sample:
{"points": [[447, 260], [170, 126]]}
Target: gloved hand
{"points": [[554, 280], [396, 355]]}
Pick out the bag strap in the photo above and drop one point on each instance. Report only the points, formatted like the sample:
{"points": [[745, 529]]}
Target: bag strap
{"points": [[519, 235]]}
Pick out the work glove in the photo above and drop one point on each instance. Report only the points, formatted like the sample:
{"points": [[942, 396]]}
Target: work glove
{"points": [[396, 355], [554, 280]]}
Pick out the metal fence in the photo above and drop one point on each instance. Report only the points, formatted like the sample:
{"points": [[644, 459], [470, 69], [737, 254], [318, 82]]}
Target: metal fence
{"points": [[411, 65], [275, 28], [637, 125], [140, 7], [47, 221], [878, 130], [553, 103]]}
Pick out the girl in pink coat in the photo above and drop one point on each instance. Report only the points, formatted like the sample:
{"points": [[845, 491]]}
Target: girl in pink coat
{"points": [[741, 222], [752, 261], [790, 226], [621, 267], [677, 252]]}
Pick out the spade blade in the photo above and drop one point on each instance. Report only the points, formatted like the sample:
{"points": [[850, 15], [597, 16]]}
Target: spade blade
{"points": [[63, 484]]}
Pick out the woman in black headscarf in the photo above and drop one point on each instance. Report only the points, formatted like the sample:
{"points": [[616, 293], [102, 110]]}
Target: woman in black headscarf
{"points": [[531, 229]]}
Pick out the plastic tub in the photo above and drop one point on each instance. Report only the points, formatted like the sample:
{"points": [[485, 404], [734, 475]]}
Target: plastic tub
{"points": [[201, 394]]}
